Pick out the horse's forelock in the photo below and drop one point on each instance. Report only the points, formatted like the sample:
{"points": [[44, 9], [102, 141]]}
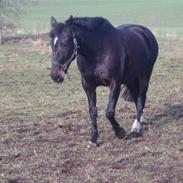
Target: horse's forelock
{"points": [[59, 27]]}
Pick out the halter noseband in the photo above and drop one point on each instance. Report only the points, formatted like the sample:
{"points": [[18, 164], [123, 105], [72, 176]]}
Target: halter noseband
{"points": [[73, 56]]}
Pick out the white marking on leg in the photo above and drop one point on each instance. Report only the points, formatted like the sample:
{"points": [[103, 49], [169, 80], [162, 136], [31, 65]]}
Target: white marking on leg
{"points": [[136, 126], [91, 145], [55, 40], [143, 119]]}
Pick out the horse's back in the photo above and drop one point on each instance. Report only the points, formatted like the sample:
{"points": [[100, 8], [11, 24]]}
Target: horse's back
{"points": [[138, 38]]}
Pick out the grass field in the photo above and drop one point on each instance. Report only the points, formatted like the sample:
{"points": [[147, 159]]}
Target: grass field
{"points": [[164, 16], [45, 127]]}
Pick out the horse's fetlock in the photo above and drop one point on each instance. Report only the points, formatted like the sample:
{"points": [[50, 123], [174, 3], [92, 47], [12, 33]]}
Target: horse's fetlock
{"points": [[109, 114]]}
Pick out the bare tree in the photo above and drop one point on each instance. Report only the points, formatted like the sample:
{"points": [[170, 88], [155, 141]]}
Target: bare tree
{"points": [[10, 14]]}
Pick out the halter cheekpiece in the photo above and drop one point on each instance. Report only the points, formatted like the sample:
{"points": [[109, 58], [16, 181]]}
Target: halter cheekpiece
{"points": [[73, 56]]}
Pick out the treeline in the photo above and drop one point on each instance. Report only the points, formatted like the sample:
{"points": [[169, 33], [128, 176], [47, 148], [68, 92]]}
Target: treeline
{"points": [[11, 12]]}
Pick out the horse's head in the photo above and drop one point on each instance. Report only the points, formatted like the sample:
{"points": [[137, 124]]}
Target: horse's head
{"points": [[64, 49]]}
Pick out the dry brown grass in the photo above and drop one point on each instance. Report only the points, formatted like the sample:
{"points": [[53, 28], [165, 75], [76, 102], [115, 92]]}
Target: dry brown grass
{"points": [[44, 127]]}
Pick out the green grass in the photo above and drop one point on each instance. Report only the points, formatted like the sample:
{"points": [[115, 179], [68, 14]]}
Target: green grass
{"points": [[164, 16], [45, 127]]}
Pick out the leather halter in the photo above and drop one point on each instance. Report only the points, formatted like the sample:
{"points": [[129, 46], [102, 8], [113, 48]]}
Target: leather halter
{"points": [[73, 56]]}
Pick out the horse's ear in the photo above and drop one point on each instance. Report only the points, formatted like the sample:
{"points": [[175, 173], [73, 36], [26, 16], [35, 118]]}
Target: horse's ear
{"points": [[53, 22], [70, 20]]}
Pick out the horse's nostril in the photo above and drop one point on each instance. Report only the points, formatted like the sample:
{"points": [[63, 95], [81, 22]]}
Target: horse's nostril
{"points": [[61, 73]]}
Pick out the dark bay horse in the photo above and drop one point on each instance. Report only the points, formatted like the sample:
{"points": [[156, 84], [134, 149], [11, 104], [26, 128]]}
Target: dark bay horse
{"points": [[106, 56]]}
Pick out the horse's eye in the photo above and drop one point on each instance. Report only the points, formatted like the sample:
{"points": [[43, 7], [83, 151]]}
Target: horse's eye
{"points": [[63, 45]]}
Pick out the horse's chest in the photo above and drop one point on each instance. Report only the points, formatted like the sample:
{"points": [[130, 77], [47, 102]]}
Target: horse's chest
{"points": [[98, 75], [101, 73], [94, 71]]}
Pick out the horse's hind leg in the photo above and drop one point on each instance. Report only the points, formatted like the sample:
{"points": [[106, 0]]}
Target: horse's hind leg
{"points": [[139, 90], [134, 90], [110, 111]]}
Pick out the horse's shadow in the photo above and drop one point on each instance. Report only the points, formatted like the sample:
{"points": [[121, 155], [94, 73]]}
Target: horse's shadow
{"points": [[168, 114]]}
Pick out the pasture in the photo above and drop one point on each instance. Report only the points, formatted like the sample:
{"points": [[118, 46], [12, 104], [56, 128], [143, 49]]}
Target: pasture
{"points": [[44, 127], [163, 16]]}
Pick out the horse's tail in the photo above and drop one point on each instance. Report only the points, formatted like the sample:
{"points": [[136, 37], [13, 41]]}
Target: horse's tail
{"points": [[126, 94]]}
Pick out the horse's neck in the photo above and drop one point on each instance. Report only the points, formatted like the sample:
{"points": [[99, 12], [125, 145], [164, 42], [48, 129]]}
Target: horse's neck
{"points": [[89, 42]]}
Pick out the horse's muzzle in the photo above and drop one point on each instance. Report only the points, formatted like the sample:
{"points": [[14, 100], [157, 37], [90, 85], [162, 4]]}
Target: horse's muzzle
{"points": [[57, 74]]}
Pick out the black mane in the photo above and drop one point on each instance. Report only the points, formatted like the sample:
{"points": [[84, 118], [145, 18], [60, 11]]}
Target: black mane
{"points": [[90, 23], [56, 30]]}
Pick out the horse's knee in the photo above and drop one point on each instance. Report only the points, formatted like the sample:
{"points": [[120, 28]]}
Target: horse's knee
{"points": [[143, 88], [144, 91], [109, 114], [93, 112]]}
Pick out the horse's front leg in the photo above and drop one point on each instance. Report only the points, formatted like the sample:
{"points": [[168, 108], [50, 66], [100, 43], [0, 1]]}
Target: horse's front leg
{"points": [[91, 95], [110, 111]]}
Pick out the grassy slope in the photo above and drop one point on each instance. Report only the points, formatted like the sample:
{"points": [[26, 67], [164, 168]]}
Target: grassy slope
{"points": [[44, 127], [163, 15]]}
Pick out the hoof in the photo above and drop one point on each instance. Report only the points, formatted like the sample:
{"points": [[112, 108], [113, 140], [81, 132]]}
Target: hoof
{"points": [[91, 145], [120, 133], [143, 120], [132, 135], [136, 134]]}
